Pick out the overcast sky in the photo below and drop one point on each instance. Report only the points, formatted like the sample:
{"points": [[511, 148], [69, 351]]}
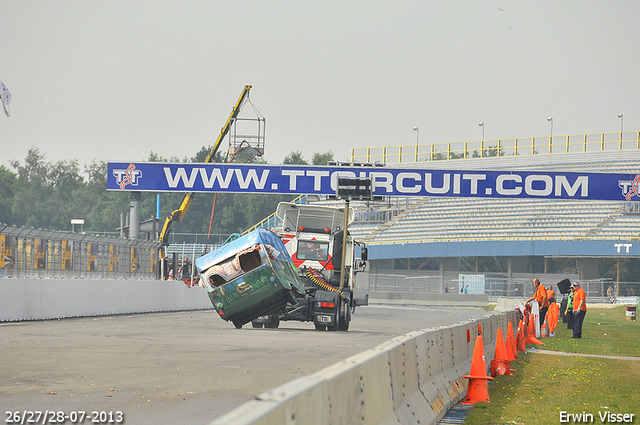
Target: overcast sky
{"points": [[115, 80]]}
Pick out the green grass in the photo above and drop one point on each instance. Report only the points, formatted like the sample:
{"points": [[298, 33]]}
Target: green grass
{"points": [[544, 385], [604, 331]]}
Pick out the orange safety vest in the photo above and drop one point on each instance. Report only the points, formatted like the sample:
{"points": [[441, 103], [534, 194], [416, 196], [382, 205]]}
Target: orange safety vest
{"points": [[540, 294], [578, 296]]}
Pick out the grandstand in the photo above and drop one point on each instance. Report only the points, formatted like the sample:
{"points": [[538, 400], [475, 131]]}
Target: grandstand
{"points": [[435, 241], [446, 219]]}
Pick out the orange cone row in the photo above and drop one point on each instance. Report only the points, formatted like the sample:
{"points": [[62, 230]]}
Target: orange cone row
{"points": [[506, 352]]}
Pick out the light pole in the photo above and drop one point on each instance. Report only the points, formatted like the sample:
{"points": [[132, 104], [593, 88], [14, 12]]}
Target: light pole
{"points": [[621, 122], [481, 124], [550, 119], [417, 130]]}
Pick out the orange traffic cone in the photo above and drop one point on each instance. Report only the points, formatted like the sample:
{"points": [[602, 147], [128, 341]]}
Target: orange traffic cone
{"points": [[500, 364], [512, 351], [478, 389], [553, 315], [520, 337], [531, 334]]}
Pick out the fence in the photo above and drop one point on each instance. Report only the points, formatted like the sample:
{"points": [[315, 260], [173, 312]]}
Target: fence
{"points": [[495, 286], [37, 253]]}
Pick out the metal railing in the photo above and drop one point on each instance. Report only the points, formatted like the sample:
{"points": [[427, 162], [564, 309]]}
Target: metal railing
{"points": [[496, 286], [272, 220], [37, 253], [596, 142], [500, 238]]}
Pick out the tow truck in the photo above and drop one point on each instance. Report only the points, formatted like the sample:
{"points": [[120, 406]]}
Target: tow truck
{"points": [[314, 236]]}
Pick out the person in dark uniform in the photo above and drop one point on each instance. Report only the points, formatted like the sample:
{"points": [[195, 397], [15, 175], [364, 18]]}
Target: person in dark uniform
{"points": [[186, 268]]}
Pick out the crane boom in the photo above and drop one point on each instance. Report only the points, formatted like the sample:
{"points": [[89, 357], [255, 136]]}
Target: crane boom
{"points": [[178, 214]]}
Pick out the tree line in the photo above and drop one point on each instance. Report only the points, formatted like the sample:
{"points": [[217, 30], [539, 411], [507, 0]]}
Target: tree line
{"points": [[40, 194]]}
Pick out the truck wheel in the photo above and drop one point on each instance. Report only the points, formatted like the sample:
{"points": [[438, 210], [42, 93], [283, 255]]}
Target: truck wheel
{"points": [[321, 328], [345, 317], [257, 325], [337, 324], [344, 325], [273, 324]]}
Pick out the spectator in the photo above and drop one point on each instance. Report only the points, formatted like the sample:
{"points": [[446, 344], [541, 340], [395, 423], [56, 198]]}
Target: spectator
{"points": [[541, 297], [579, 309], [610, 294], [446, 289], [569, 310], [551, 295], [466, 289], [186, 269]]}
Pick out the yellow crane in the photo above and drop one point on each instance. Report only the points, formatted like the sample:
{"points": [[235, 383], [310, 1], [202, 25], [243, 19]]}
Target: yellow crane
{"points": [[178, 214]]}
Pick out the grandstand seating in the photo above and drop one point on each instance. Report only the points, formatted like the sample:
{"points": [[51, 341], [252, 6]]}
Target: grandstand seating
{"points": [[458, 219], [495, 219]]}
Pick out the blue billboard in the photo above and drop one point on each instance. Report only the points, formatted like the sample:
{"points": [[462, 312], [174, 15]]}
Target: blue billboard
{"points": [[322, 180]]}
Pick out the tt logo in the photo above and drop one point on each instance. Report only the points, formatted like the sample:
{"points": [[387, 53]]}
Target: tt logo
{"points": [[617, 246], [128, 176]]}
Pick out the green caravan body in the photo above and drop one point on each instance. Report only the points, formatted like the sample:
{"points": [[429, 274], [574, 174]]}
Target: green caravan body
{"points": [[250, 277]]}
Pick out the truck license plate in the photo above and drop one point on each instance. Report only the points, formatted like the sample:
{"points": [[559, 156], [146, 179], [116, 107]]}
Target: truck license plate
{"points": [[324, 319]]}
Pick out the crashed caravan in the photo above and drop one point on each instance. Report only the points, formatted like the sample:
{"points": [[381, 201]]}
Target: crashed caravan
{"points": [[249, 277]]}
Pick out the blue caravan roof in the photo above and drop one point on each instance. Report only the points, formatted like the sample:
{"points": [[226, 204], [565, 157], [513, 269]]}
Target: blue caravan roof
{"points": [[259, 236]]}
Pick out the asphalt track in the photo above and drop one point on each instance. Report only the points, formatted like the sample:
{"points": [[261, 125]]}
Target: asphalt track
{"points": [[185, 367]]}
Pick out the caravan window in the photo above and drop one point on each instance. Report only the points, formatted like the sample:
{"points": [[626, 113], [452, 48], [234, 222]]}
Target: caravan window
{"points": [[250, 258], [234, 267]]}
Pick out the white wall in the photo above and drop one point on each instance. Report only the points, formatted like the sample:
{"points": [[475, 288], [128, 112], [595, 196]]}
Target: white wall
{"points": [[36, 299]]}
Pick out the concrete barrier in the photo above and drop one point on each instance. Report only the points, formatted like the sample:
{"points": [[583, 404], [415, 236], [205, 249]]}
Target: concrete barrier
{"points": [[38, 299], [508, 304], [422, 298], [411, 379]]}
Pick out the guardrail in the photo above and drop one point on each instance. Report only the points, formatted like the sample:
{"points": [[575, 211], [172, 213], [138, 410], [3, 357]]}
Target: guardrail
{"points": [[414, 378], [595, 142]]}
